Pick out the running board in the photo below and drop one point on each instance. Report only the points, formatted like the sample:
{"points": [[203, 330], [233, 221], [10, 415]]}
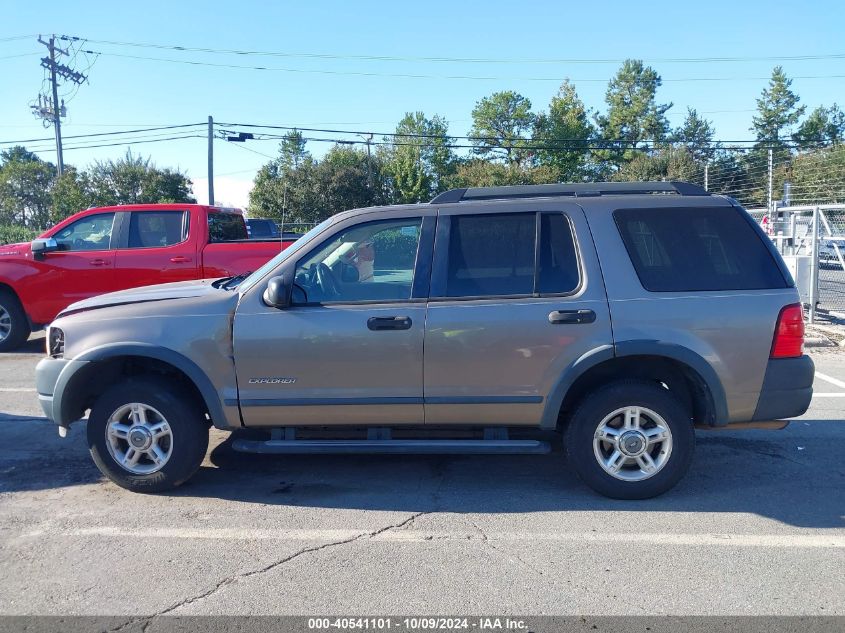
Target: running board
{"points": [[405, 447]]}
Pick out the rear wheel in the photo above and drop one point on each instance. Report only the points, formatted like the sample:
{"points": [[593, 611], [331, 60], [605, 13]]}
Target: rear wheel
{"points": [[147, 436], [14, 326], [630, 440]]}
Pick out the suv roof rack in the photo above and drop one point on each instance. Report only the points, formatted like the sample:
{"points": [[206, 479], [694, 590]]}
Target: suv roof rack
{"points": [[575, 190]]}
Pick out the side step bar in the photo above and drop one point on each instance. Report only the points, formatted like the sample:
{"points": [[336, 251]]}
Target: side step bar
{"points": [[405, 447]]}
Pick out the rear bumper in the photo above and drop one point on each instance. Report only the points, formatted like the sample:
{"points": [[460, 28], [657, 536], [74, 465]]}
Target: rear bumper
{"points": [[787, 388]]}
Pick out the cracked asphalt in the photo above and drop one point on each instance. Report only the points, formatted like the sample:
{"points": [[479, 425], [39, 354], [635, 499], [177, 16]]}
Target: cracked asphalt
{"points": [[757, 527]]}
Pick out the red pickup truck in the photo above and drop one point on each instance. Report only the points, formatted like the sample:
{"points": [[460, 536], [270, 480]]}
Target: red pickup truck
{"points": [[106, 249]]}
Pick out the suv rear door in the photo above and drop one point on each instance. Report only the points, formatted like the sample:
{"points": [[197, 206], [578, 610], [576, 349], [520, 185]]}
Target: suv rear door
{"points": [[506, 319]]}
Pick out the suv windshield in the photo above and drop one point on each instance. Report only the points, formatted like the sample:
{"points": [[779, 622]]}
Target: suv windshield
{"points": [[278, 259]]}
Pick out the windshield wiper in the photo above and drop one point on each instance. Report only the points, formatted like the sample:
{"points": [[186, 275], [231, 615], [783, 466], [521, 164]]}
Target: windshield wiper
{"points": [[232, 282]]}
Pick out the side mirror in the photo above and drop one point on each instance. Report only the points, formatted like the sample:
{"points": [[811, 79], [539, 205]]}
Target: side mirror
{"points": [[277, 293], [42, 246]]}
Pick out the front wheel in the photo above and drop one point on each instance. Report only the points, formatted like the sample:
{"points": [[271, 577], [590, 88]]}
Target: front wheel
{"points": [[147, 436], [14, 326], [630, 440]]}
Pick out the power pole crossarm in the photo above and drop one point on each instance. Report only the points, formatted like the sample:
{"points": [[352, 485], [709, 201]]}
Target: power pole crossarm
{"points": [[49, 109]]}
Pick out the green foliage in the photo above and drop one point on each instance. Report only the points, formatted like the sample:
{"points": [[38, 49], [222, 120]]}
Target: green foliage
{"points": [[821, 175], [567, 132], [482, 173], [633, 114], [823, 127], [315, 190], [14, 233], [136, 180], [71, 192], [777, 112], [696, 133], [394, 250], [25, 182], [501, 123], [666, 163], [419, 159]]}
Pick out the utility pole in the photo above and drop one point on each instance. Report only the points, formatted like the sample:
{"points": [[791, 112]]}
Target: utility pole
{"points": [[769, 198], [49, 109], [210, 161], [369, 138], [707, 176]]}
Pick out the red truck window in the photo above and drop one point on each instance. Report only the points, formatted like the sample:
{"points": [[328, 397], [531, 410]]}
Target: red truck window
{"points": [[90, 233], [157, 228], [226, 227]]}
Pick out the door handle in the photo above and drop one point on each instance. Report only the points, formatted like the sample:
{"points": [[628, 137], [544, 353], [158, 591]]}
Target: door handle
{"points": [[98, 262], [178, 259], [571, 316], [389, 323]]}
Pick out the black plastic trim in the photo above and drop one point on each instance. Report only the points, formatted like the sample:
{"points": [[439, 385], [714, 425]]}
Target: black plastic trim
{"points": [[787, 388]]}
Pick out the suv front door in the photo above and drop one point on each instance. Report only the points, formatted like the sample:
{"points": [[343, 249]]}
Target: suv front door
{"points": [[516, 300], [348, 350]]}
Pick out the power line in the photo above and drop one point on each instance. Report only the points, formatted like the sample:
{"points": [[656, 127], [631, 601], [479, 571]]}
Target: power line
{"points": [[352, 73], [464, 60], [95, 134]]}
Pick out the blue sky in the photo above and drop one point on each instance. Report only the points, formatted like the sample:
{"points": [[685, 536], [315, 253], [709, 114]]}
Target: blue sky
{"points": [[127, 93]]}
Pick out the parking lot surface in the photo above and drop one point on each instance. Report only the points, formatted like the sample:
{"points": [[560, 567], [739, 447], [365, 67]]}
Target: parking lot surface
{"points": [[756, 527]]}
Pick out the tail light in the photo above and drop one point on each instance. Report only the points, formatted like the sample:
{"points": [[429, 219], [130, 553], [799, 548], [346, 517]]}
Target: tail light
{"points": [[789, 333]]}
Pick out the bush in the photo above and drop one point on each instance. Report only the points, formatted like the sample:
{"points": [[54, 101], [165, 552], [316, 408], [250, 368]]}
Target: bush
{"points": [[12, 233]]}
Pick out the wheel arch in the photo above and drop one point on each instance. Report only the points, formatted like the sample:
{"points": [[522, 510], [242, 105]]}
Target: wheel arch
{"points": [[97, 369], [684, 372]]}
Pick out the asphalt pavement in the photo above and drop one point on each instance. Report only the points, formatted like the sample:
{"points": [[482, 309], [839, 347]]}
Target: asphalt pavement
{"points": [[757, 527]]}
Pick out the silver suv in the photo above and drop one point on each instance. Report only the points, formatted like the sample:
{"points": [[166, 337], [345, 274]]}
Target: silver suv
{"points": [[620, 316]]}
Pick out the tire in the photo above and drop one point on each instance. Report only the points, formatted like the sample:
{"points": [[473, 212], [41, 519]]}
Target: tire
{"points": [[180, 445], [650, 410], [14, 326]]}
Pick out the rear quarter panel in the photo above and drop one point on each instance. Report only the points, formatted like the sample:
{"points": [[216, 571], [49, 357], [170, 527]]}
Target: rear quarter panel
{"points": [[731, 330]]}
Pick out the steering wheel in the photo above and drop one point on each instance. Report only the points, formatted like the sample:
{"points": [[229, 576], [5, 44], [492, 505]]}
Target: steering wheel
{"points": [[326, 281]]}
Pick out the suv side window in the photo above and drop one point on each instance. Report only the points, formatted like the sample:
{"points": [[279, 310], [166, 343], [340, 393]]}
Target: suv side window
{"points": [[498, 255], [677, 250], [374, 261], [91, 233], [149, 229]]}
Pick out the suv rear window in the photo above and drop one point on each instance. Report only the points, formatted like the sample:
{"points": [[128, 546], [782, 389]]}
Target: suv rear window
{"points": [[675, 250]]}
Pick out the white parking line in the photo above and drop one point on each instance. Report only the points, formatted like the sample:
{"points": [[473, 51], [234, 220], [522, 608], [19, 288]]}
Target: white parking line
{"points": [[17, 390], [829, 395], [831, 380], [621, 539]]}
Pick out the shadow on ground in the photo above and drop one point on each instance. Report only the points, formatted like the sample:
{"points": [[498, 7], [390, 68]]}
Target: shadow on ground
{"points": [[791, 476]]}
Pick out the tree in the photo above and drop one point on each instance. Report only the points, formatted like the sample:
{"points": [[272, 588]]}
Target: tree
{"points": [[71, 192], [292, 150], [134, 179], [633, 114], [565, 134], [483, 173], [500, 124], [822, 127], [777, 112], [819, 177], [419, 158], [696, 133], [665, 163], [25, 183]]}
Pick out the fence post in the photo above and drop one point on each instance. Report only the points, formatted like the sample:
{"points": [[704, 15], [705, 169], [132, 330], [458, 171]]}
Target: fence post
{"points": [[814, 265]]}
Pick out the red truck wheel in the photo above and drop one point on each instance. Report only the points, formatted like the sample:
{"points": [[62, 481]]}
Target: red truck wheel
{"points": [[14, 326]]}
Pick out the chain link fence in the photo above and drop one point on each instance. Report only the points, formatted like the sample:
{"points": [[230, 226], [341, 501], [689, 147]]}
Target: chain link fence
{"points": [[799, 200]]}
